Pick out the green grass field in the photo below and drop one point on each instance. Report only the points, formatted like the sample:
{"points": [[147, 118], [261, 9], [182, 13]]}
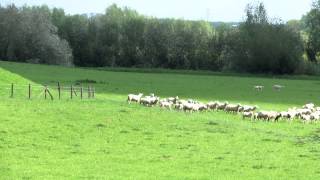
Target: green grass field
{"points": [[105, 138]]}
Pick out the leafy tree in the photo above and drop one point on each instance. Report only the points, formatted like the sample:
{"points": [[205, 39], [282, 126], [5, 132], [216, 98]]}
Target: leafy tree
{"points": [[312, 24]]}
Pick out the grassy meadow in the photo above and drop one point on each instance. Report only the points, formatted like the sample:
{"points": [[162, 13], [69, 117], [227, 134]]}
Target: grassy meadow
{"points": [[106, 138]]}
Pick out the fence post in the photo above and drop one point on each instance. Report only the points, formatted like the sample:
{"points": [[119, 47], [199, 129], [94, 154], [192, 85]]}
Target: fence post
{"points": [[11, 90], [89, 95], [45, 92], [71, 92], [81, 92], [92, 88], [50, 94], [29, 91], [59, 90]]}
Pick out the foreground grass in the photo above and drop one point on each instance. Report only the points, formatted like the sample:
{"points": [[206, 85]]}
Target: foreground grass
{"points": [[107, 138]]}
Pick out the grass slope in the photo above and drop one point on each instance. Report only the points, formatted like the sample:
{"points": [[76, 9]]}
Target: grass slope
{"points": [[107, 138]]}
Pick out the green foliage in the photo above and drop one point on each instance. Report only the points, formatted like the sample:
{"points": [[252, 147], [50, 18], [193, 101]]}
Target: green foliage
{"points": [[27, 33], [106, 138], [261, 46], [121, 37], [312, 25]]}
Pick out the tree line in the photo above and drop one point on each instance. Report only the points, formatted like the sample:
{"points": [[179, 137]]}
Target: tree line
{"points": [[121, 37]]}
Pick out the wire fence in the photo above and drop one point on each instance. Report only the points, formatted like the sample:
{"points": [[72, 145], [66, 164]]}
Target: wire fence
{"points": [[31, 91]]}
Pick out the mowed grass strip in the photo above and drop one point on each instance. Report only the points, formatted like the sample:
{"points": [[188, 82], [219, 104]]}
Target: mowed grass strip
{"points": [[107, 138]]}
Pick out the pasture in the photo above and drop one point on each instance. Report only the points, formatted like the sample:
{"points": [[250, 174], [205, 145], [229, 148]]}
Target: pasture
{"points": [[106, 138]]}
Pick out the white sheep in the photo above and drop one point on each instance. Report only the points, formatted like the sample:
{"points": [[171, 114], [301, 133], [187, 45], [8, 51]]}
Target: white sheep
{"points": [[212, 105], [309, 106], [164, 104], [306, 118], [247, 115], [258, 88], [232, 108], [246, 108], [134, 98], [268, 115], [221, 106], [277, 87], [149, 101]]}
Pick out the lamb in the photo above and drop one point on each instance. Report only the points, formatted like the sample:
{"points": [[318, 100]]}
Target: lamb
{"points": [[247, 115], [232, 108], [258, 88], [277, 87], [134, 98]]}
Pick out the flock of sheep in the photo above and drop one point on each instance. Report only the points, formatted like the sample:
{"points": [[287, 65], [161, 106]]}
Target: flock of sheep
{"points": [[307, 114]]}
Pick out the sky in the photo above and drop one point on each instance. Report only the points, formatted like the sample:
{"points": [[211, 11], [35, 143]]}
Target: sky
{"points": [[212, 10]]}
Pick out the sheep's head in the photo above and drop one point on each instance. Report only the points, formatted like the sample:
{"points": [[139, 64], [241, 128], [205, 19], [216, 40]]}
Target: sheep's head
{"points": [[140, 94]]}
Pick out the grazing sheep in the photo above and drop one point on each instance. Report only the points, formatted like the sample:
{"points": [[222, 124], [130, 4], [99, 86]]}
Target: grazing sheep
{"points": [[212, 105], [188, 107], [164, 104], [134, 98], [202, 107], [149, 101], [301, 112], [290, 115], [232, 108], [315, 116], [277, 87], [193, 101], [306, 118], [258, 88], [247, 108], [173, 99], [274, 116], [268, 115], [221, 106], [309, 106], [247, 115], [261, 115]]}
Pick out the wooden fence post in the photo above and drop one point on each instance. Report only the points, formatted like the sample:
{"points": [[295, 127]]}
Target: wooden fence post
{"points": [[59, 90], [89, 93], [92, 88], [81, 92], [45, 92], [50, 94], [29, 91], [71, 91], [11, 90]]}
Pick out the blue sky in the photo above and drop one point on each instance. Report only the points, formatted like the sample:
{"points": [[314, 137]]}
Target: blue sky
{"points": [[213, 10]]}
